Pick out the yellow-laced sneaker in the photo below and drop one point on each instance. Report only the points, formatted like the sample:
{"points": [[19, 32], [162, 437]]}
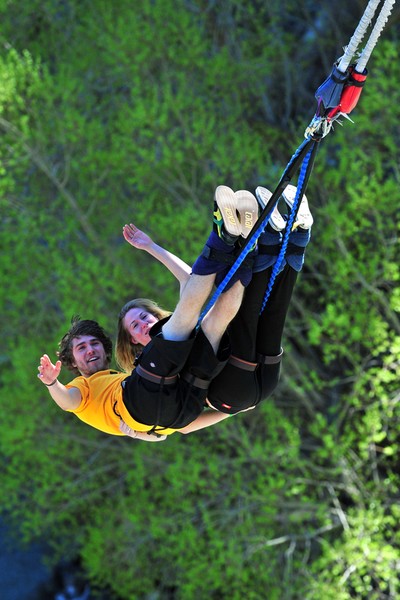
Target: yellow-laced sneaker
{"points": [[226, 219]]}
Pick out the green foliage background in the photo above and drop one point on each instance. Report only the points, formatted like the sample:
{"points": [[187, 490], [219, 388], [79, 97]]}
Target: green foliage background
{"points": [[113, 112]]}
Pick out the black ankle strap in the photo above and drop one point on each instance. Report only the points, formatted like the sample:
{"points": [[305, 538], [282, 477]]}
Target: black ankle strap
{"points": [[226, 259], [294, 249], [272, 250]]}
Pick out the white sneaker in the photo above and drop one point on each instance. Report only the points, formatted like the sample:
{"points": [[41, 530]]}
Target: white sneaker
{"points": [[276, 221], [247, 208], [304, 218], [226, 220]]}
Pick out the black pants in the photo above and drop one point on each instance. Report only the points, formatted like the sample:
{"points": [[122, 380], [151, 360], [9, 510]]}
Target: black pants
{"points": [[185, 369], [253, 336]]}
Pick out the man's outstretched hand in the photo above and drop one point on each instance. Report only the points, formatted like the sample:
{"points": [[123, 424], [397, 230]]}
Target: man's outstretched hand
{"points": [[48, 372]]}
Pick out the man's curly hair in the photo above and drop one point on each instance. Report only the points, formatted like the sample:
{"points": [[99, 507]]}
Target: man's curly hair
{"points": [[78, 328]]}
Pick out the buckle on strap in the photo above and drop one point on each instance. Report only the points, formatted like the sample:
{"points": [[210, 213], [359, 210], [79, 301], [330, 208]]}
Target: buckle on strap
{"points": [[271, 360], [155, 378], [202, 384], [242, 364]]}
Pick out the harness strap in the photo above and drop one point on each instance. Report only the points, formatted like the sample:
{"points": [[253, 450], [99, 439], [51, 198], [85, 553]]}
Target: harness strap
{"points": [[294, 249], [271, 360], [226, 259], [203, 384], [246, 365], [272, 250], [155, 378], [242, 364]]}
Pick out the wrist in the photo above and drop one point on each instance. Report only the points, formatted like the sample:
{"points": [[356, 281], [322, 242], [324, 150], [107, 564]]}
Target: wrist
{"points": [[50, 384]]}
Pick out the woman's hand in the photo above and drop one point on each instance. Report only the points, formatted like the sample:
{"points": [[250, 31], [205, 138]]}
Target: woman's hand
{"points": [[48, 372], [135, 237]]}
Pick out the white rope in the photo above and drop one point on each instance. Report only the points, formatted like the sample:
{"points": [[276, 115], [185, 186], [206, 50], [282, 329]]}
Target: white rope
{"points": [[375, 33], [358, 35]]}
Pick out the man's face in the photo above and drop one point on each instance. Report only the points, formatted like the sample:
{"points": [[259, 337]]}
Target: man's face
{"points": [[89, 355]]}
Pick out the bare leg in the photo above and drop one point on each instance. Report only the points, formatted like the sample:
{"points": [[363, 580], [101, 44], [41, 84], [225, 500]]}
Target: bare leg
{"points": [[186, 314], [221, 314]]}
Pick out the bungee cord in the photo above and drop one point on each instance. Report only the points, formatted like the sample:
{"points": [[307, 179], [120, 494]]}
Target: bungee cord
{"points": [[357, 36], [375, 34], [336, 97], [305, 173]]}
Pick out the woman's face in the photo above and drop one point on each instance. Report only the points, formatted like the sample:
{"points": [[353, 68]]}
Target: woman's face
{"points": [[138, 323]]}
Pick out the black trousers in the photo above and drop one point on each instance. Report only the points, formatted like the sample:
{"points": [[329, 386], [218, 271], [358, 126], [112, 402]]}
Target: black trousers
{"points": [[253, 336], [184, 370]]}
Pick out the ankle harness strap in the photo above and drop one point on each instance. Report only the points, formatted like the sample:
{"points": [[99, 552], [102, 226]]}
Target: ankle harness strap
{"points": [[224, 258], [294, 249], [272, 250]]}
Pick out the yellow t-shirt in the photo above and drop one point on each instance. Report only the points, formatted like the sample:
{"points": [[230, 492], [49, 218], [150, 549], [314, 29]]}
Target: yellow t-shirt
{"points": [[102, 406]]}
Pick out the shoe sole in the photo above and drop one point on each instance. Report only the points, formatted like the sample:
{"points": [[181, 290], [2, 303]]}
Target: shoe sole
{"points": [[304, 218], [276, 220], [247, 207], [227, 204]]}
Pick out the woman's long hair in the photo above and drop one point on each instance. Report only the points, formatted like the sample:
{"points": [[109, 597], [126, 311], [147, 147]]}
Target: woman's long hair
{"points": [[125, 350]]}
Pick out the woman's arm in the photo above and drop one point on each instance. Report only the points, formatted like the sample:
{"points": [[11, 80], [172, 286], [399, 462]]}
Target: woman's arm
{"points": [[66, 398], [138, 239], [206, 419]]}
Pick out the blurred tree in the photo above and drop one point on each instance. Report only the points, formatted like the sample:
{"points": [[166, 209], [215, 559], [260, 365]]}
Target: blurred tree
{"points": [[111, 113]]}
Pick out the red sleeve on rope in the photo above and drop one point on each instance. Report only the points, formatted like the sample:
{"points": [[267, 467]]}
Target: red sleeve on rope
{"points": [[351, 93]]}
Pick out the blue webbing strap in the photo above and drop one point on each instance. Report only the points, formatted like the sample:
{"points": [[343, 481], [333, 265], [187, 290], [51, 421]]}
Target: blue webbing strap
{"points": [[304, 175], [263, 219]]}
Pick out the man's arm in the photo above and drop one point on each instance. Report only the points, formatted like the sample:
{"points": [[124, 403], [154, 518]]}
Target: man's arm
{"points": [[140, 435], [66, 398], [138, 239]]}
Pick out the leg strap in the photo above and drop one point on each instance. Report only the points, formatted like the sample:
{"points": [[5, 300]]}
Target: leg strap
{"points": [[246, 365], [270, 360], [242, 364], [203, 384], [155, 378]]}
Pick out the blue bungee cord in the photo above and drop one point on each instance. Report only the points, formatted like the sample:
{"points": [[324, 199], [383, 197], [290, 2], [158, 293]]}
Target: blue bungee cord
{"points": [[303, 176]]}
